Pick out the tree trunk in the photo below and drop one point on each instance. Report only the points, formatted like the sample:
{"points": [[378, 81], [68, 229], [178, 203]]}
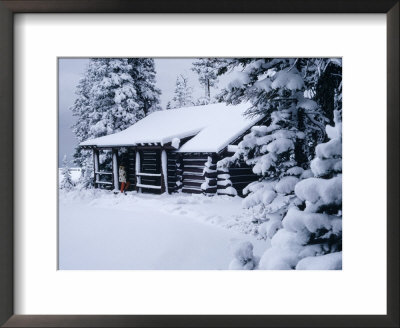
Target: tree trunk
{"points": [[208, 90]]}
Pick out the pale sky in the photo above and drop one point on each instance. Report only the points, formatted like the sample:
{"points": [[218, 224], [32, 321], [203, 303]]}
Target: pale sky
{"points": [[71, 70]]}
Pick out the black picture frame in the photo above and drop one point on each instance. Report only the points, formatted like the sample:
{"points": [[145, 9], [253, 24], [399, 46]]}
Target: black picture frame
{"points": [[10, 7]]}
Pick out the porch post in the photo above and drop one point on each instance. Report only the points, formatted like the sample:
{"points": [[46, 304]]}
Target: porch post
{"points": [[96, 166], [137, 170], [115, 168], [164, 172]]}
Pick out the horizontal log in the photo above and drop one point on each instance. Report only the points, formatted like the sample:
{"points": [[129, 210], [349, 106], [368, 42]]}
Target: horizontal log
{"points": [[103, 173], [196, 166], [224, 186], [149, 166], [237, 177], [194, 162], [243, 178], [193, 177], [193, 169], [151, 191], [238, 171], [104, 182], [194, 174], [238, 184], [195, 180], [192, 183], [195, 156], [211, 175], [141, 174], [141, 185], [192, 191], [186, 159], [241, 167], [150, 181]]}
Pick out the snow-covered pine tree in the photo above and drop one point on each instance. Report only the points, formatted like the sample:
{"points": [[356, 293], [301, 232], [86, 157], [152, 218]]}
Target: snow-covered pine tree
{"points": [[182, 94], [311, 237], [207, 70], [66, 181], [284, 90], [113, 94], [143, 73]]}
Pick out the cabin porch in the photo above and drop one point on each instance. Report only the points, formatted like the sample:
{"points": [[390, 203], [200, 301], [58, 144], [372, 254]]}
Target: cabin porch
{"points": [[143, 168]]}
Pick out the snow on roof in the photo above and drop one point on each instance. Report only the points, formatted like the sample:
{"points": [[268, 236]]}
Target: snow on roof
{"points": [[212, 126]]}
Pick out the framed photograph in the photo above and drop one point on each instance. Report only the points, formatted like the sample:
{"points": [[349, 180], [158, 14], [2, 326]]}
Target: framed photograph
{"points": [[199, 164]]}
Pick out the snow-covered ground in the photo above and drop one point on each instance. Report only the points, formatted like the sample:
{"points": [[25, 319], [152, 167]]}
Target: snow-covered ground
{"points": [[100, 230]]}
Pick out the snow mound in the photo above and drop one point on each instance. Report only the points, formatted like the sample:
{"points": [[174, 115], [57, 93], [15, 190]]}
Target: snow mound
{"points": [[239, 79], [286, 185], [290, 80], [278, 259], [243, 257], [315, 189], [297, 221], [331, 261], [175, 142]]}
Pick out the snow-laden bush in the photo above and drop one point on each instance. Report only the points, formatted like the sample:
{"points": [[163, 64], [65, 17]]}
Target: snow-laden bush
{"points": [[66, 179], [311, 237], [243, 257]]}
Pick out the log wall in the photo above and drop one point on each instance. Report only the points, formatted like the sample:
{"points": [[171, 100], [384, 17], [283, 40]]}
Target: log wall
{"points": [[192, 172], [237, 177]]}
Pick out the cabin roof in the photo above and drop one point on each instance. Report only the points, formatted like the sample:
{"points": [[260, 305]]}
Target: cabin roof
{"points": [[212, 127]]}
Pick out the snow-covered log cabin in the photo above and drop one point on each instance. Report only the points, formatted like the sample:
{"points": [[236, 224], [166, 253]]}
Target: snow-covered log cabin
{"points": [[178, 150]]}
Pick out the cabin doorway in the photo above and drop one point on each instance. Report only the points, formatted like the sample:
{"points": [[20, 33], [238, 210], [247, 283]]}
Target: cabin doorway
{"points": [[150, 170]]}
